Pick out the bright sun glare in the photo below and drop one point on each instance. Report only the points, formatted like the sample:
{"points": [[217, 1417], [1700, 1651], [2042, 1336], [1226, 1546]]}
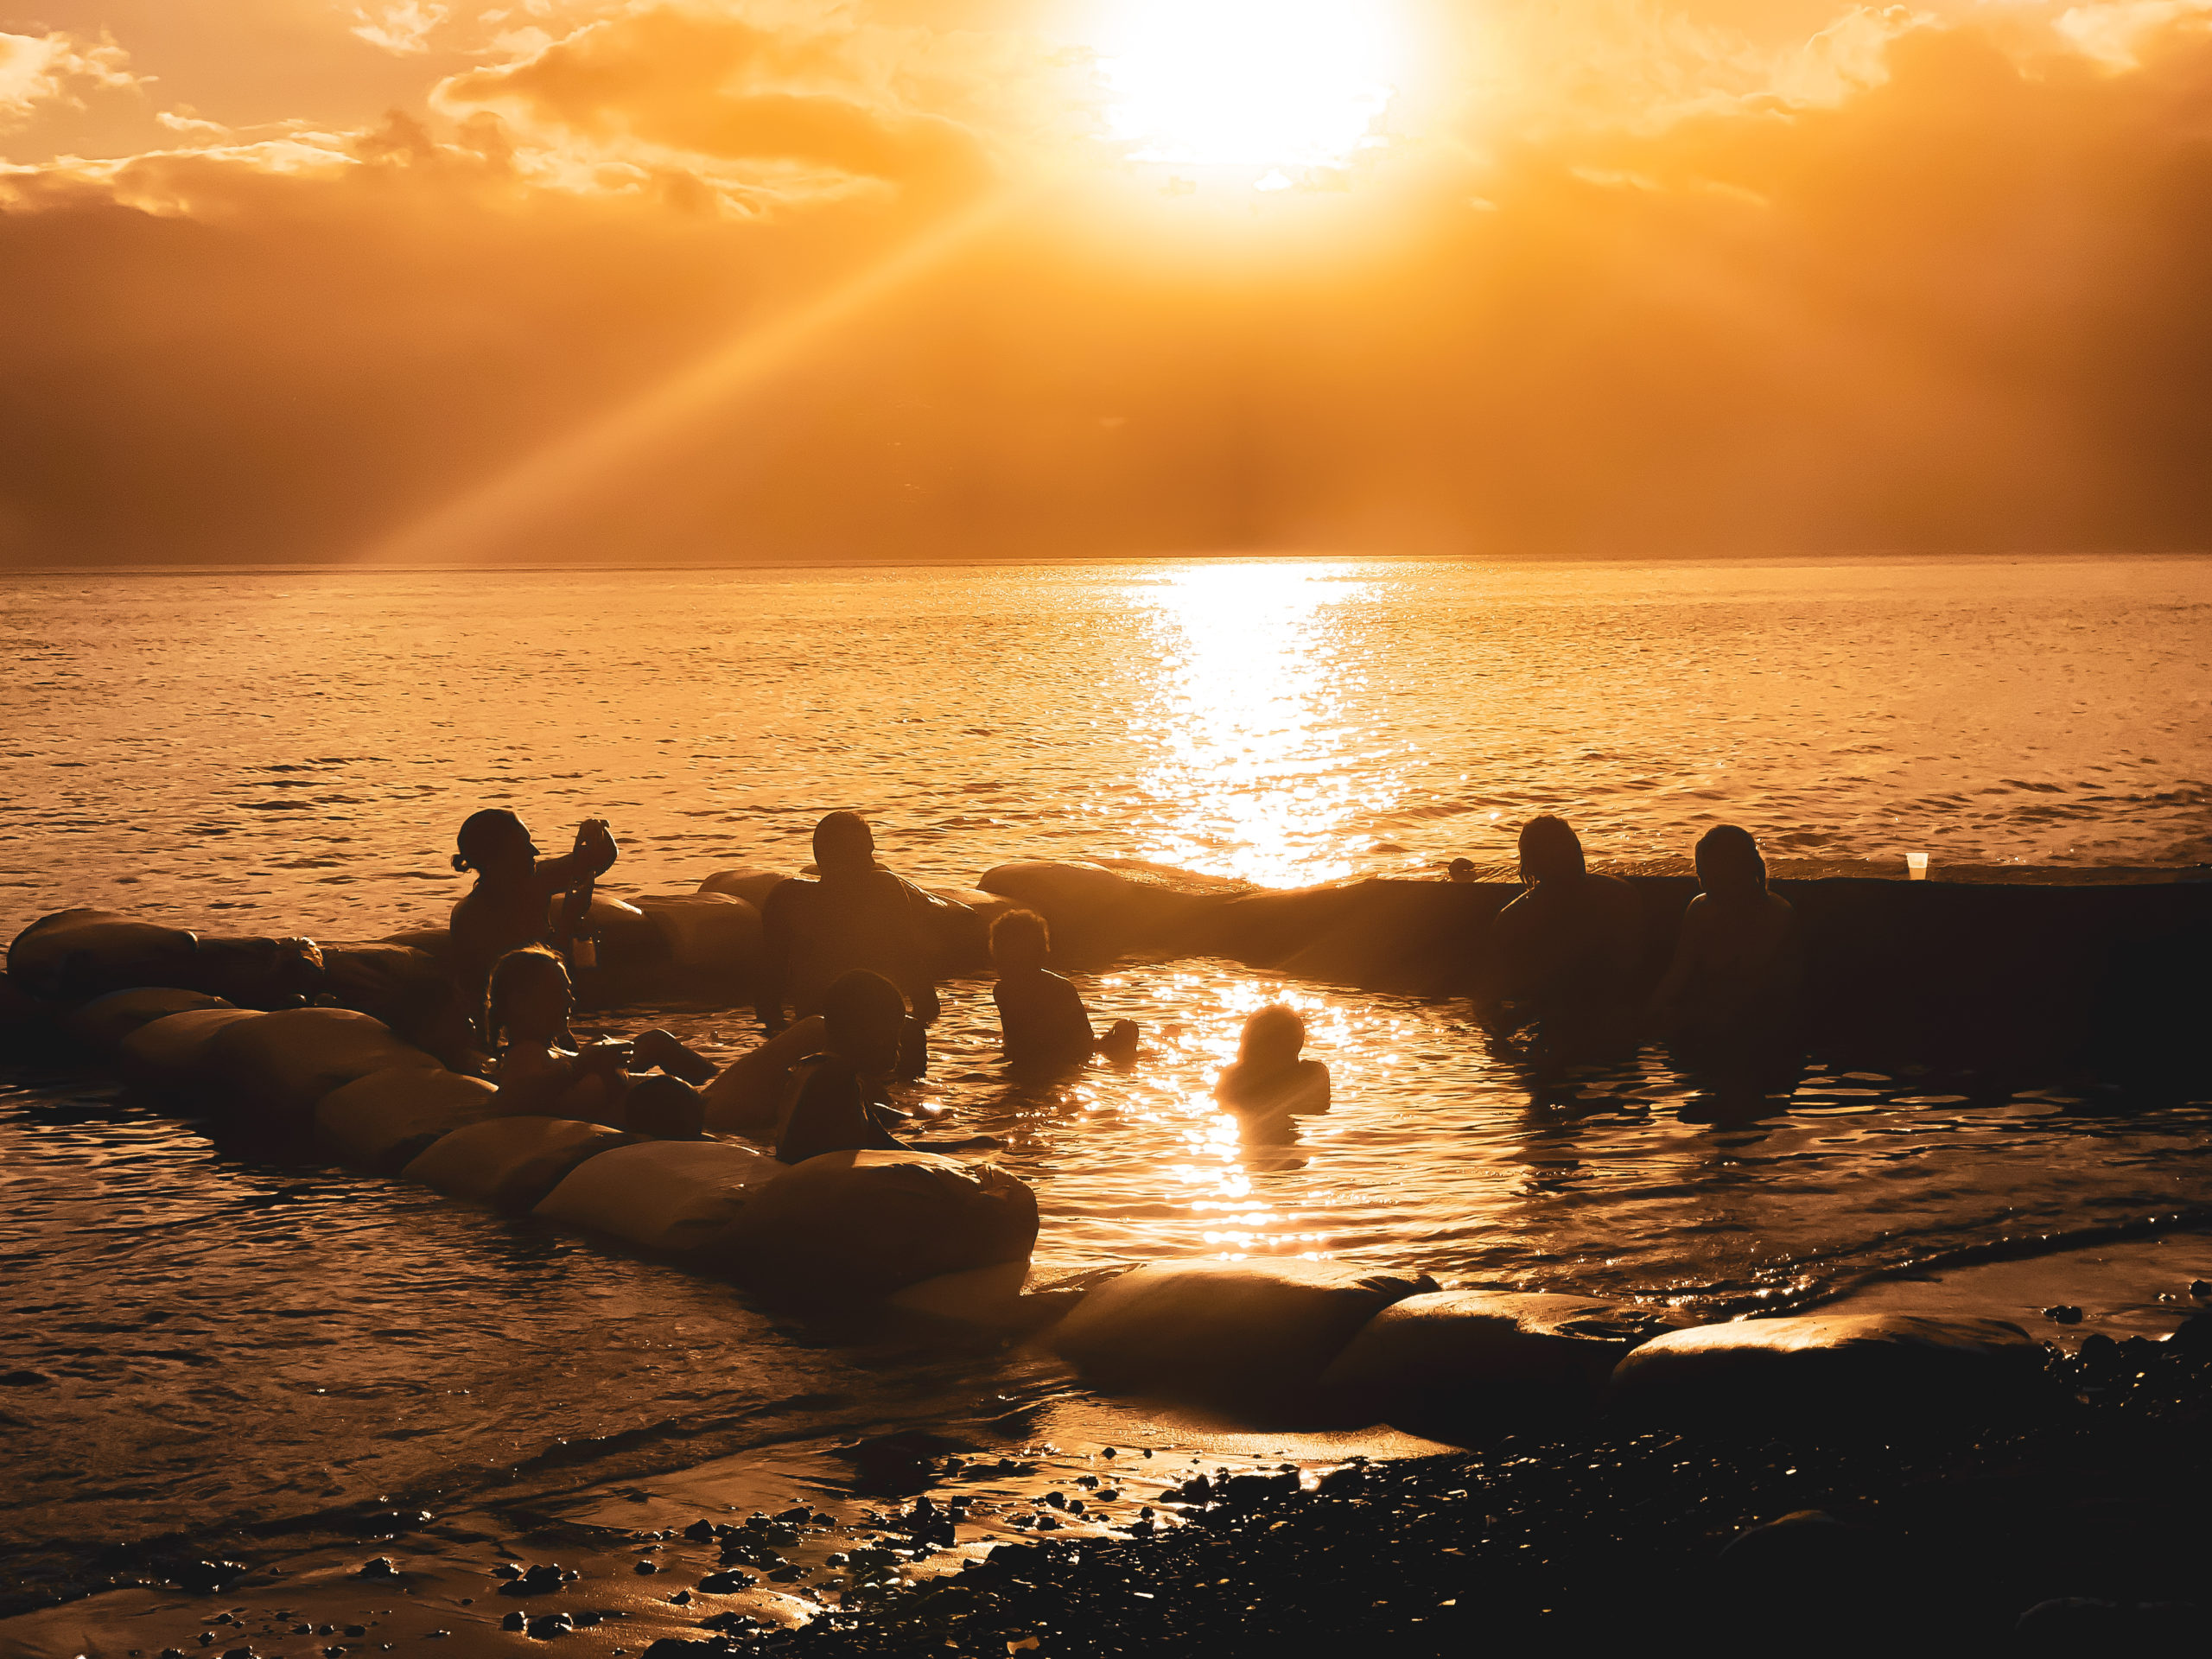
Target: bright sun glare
{"points": [[1261, 83]]}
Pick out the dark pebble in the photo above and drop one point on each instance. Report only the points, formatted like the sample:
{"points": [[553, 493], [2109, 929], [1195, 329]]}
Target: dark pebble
{"points": [[381, 1568], [546, 1626], [205, 1578], [726, 1584], [357, 1629], [700, 1530], [514, 1622], [2062, 1314], [646, 1568]]}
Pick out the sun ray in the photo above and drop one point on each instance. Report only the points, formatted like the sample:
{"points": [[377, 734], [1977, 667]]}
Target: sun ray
{"points": [[586, 463]]}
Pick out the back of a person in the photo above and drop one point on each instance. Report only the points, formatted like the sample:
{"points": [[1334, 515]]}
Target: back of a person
{"points": [[862, 922]]}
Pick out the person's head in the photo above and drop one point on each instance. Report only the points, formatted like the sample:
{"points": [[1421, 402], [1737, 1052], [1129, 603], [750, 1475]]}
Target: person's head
{"points": [[1460, 869], [1550, 851], [1728, 863], [843, 844], [667, 1108], [1019, 940], [864, 1017], [528, 995], [495, 842], [1272, 1035]]}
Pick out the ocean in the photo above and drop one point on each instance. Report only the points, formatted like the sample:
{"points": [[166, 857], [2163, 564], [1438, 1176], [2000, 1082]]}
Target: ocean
{"points": [[200, 1340]]}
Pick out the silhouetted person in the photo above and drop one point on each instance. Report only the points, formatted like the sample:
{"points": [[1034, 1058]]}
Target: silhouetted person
{"points": [[1041, 1016], [1270, 1083], [843, 1105], [856, 917], [1734, 977], [511, 906], [542, 1070], [1566, 950], [1460, 869]]}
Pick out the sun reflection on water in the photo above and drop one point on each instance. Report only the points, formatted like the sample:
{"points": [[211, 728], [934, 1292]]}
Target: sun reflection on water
{"points": [[1254, 776]]}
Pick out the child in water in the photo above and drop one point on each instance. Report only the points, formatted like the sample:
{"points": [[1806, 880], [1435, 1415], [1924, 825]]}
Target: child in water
{"points": [[1270, 1085], [542, 1069], [1734, 976], [1042, 1016], [844, 1105]]}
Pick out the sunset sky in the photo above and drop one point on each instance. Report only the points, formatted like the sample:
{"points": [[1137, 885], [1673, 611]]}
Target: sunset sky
{"points": [[430, 280]]}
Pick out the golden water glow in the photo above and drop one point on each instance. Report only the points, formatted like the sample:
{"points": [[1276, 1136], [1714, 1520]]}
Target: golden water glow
{"points": [[1259, 83], [1244, 723]]}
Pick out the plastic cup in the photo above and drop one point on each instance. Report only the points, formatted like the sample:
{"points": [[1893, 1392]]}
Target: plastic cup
{"points": [[1915, 867]]}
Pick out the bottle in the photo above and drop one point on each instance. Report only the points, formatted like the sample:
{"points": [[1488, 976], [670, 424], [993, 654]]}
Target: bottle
{"points": [[576, 927]]}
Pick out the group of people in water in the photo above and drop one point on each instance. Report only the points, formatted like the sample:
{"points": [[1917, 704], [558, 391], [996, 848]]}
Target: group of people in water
{"points": [[848, 988]]}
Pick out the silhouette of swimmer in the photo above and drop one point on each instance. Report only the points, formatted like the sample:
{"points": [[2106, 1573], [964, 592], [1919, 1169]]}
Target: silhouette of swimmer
{"points": [[842, 1106], [1734, 976], [858, 917], [541, 1068], [1041, 1016], [511, 905], [1270, 1085], [1566, 949]]}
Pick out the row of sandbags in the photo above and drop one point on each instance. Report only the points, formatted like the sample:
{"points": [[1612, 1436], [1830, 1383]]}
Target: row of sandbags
{"points": [[844, 1224], [1291, 1342], [1274, 1340], [2010, 975]]}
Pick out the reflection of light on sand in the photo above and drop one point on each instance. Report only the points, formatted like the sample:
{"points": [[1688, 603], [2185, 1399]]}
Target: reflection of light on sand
{"points": [[1251, 774]]}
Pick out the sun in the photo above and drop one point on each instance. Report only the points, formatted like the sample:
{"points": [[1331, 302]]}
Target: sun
{"points": [[1252, 83]]}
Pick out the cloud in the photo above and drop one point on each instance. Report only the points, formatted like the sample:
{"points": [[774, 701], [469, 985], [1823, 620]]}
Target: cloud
{"points": [[55, 68], [400, 26], [1901, 283]]}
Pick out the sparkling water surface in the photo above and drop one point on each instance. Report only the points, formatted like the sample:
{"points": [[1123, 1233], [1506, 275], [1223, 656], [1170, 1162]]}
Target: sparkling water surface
{"points": [[196, 1337]]}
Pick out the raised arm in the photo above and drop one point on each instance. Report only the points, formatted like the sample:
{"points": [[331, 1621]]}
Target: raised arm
{"points": [[591, 856]]}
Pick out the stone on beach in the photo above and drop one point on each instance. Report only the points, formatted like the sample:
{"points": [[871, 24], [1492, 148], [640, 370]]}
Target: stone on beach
{"points": [[687, 1196], [382, 1122], [1484, 1360], [868, 1223], [274, 1070], [1253, 1338], [1868, 1366], [509, 1163]]}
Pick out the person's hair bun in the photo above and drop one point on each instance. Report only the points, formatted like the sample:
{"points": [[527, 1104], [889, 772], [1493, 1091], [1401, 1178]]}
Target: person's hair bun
{"points": [[459, 862]]}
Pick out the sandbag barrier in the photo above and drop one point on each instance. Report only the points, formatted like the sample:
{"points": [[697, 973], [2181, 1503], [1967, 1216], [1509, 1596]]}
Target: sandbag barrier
{"points": [[2088, 970], [864, 1225]]}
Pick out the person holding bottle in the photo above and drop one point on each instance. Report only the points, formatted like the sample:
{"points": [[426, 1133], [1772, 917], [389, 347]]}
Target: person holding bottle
{"points": [[511, 905]]}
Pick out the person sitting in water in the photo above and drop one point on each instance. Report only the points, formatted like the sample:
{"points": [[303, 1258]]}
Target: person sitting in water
{"points": [[1734, 976], [843, 1105], [511, 905], [1567, 949], [542, 1070], [856, 917], [755, 1095], [1270, 1085], [1041, 1016]]}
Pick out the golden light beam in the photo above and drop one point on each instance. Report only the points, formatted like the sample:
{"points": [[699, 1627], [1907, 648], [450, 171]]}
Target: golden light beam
{"points": [[594, 458]]}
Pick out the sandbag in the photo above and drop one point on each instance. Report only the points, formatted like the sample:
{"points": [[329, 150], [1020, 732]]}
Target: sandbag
{"points": [[1464, 1362], [683, 1196], [1100, 909], [383, 1122], [711, 935], [752, 886], [272, 1070], [104, 1021], [75, 955], [1422, 938], [1251, 1337], [404, 987], [510, 1163], [436, 943], [1864, 1365], [169, 1056], [866, 1223]]}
